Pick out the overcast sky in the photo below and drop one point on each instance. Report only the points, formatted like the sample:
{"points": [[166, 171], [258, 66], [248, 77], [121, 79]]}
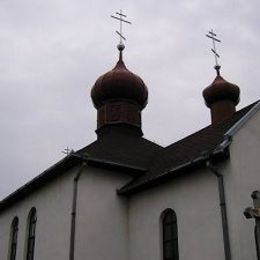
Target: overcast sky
{"points": [[52, 51]]}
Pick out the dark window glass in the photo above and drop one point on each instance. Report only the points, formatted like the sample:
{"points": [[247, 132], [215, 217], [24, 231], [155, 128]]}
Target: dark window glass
{"points": [[14, 235], [31, 234], [170, 236]]}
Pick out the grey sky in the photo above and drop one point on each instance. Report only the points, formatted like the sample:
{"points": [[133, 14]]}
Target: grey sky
{"points": [[52, 51]]}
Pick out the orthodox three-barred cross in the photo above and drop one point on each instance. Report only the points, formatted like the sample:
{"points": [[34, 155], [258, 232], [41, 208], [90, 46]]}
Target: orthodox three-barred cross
{"points": [[213, 37], [121, 18]]}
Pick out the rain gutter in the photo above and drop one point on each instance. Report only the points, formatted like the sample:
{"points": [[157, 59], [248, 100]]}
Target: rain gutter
{"points": [[223, 209], [74, 211]]}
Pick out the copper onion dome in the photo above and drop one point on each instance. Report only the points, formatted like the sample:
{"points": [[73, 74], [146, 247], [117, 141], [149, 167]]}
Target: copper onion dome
{"points": [[221, 97], [119, 97], [220, 89], [119, 84]]}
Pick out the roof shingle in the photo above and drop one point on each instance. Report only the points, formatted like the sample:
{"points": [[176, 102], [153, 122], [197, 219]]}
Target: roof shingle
{"points": [[184, 151]]}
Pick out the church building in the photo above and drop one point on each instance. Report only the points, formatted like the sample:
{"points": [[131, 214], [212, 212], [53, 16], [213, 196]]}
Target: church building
{"points": [[123, 197]]}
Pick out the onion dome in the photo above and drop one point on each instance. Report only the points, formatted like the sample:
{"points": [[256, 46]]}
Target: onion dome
{"points": [[119, 84], [221, 97], [220, 89], [119, 97]]}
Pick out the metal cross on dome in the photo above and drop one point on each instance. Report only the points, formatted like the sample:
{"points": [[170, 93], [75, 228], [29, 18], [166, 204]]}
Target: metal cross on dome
{"points": [[67, 151], [213, 36], [121, 18]]}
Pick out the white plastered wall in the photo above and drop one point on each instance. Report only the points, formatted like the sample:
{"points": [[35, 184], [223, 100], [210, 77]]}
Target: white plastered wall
{"points": [[53, 205], [102, 224], [101, 221], [194, 198], [242, 177], [111, 227]]}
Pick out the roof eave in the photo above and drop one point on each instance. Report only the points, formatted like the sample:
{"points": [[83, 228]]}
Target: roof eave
{"points": [[197, 163], [60, 167], [237, 126], [221, 151], [38, 181]]}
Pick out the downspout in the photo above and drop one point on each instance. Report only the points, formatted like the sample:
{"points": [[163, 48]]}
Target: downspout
{"points": [[74, 211], [223, 209]]}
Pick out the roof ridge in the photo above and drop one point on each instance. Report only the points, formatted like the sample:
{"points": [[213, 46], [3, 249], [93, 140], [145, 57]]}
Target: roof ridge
{"points": [[214, 126], [190, 151]]}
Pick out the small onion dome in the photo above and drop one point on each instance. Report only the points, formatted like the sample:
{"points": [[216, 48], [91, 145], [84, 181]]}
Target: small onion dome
{"points": [[119, 84], [220, 89]]}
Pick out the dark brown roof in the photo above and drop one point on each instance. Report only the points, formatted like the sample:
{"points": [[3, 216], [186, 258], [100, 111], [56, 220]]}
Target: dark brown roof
{"points": [[190, 151], [120, 146], [118, 150], [130, 153], [61, 167], [37, 182]]}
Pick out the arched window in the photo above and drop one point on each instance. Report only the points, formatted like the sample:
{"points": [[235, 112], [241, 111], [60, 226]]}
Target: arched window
{"points": [[32, 218], [170, 235], [13, 238]]}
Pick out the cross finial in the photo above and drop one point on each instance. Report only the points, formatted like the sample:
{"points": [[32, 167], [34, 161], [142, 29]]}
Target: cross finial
{"points": [[213, 36], [121, 18], [67, 151]]}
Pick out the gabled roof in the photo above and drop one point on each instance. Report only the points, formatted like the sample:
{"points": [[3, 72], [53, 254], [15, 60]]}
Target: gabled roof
{"points": [[123, 147], [38, 181], [146, 161], [188, 152], [61, 167], [119, 151]]}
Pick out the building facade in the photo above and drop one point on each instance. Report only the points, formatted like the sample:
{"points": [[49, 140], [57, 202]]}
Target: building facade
{"points": [[125, 197]]}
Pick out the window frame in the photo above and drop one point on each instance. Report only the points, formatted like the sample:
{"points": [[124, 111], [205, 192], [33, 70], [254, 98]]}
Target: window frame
{"points": [[13, 238], [170, 248], [31, 234]]}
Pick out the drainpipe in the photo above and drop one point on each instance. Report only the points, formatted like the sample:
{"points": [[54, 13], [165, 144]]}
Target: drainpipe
{"points": [[74, 211], [223, 209]]}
